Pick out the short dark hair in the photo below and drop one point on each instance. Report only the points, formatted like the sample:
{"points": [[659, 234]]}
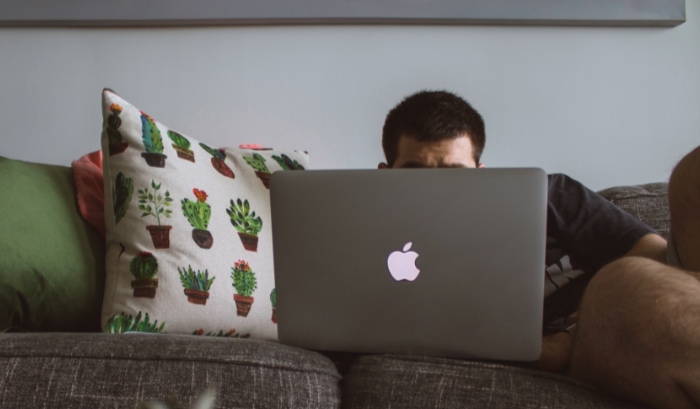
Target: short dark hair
{"points": [[432, 116]]}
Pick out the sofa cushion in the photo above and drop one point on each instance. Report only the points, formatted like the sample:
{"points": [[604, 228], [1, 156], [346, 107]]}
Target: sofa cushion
{"points": [[52, 264], [647, 202], [90, 189], [72, 371], [189, 237], [393, 381]]}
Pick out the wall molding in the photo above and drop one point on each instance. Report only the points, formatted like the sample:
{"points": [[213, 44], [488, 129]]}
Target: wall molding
{"points": [[150, 13]]}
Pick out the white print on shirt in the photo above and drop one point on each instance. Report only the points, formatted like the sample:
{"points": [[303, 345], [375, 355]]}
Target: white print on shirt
{"points": [[558, 275]]}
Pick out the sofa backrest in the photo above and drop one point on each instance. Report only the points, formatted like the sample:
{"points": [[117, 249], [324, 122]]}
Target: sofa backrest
{"points": [[648, 203]]}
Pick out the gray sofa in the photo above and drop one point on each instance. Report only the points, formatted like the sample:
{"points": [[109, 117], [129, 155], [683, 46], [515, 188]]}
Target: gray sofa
{"points": [[95, 370]]}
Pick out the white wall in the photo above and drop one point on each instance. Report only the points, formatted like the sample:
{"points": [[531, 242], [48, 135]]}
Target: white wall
{"points": [[606, 105]]}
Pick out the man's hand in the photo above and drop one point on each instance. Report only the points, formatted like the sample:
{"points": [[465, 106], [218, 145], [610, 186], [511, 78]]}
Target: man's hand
{"points": [[556, 352]]}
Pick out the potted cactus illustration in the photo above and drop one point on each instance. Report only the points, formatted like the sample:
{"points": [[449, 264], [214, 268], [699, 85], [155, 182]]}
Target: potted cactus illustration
{"points": [[181, 146], [217, 160], [152, 141], [246, 222], [273, 300], [287, 163], [257, 162], [198, 213], [197, 284], [119, 324], [156, 205], [228, 334], [122, 191], [244, 282], [116, 143], [144, 268]]}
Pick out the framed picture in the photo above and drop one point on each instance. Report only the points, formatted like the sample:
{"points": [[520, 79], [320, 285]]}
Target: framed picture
{"points": [[100, 13]]}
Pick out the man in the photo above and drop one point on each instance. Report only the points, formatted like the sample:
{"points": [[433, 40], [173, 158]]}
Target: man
{"points": [[615, 314]]}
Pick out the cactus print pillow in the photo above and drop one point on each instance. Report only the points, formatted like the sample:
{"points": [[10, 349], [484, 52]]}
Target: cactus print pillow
{"points": [[189, 246]]}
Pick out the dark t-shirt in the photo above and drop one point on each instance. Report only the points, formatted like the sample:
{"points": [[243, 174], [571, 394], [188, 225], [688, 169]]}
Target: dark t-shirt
{"points": [[584, 232]]}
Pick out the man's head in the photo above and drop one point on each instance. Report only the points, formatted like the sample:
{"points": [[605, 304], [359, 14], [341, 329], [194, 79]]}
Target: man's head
{"points": [[433, 129]]}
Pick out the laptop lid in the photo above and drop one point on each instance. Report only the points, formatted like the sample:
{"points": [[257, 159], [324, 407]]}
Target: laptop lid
{"points": [[345, 244]]}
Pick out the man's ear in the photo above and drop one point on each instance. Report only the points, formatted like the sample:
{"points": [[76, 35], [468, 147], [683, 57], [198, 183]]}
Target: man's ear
{"points": [[480, 166], [382, 165]]}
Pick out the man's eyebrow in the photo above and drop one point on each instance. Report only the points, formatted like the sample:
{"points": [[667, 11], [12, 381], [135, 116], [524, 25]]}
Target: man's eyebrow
{"points": [[420, 165], [413, 165]]}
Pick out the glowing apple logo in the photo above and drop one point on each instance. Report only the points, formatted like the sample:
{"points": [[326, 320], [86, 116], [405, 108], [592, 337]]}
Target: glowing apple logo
{"points": [[402, 264]]}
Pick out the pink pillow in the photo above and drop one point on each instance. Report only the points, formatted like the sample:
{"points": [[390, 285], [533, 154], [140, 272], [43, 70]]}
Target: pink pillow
{"points": [[89, 185]]}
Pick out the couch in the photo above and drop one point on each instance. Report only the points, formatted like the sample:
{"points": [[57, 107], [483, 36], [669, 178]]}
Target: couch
{"points": [[53, 355]]}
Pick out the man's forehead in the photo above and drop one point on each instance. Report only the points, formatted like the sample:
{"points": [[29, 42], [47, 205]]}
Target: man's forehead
{"points": [[455, 152], [455, 146]]}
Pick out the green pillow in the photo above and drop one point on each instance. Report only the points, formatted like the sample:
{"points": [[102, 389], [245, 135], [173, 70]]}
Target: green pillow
{"points": [[51, 260]]}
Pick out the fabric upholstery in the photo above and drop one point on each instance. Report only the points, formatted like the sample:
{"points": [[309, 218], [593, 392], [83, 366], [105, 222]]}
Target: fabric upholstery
{"points": [[90, 189], [647, 202], [95, 371], [51, 261], [392, 381]]}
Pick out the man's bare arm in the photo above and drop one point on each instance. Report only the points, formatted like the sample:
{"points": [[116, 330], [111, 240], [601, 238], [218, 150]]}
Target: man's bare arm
{"points": [[650, 246]]}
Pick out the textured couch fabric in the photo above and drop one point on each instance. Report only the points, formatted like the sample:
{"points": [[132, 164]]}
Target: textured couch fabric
{"points": [[648, 203], [392, 381], [115, 371]]}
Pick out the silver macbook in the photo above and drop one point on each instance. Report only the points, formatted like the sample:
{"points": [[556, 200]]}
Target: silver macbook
{"points": [[442, 262]]}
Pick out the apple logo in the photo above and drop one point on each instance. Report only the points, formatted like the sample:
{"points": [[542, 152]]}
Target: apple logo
{"points": [[402, 264]]}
